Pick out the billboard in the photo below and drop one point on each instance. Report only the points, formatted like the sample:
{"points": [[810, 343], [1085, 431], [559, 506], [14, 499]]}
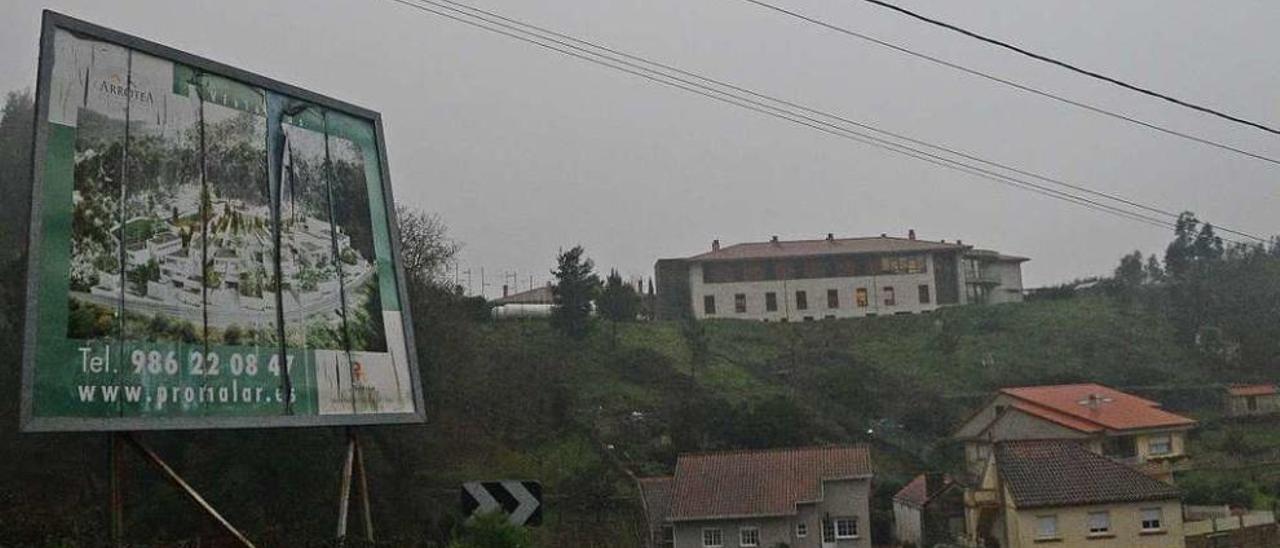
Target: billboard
{"points": [[209, 248]]}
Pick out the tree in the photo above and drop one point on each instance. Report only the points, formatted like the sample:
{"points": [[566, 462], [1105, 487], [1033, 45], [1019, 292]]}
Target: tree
{"points": [[1154, 273], [492, 531], [15, 167], [426, 250], [1131, 273], [618, 302], [576, 286]]}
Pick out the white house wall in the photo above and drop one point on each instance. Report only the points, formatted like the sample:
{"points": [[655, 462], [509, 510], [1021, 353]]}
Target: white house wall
{"points": [[906, 296]]}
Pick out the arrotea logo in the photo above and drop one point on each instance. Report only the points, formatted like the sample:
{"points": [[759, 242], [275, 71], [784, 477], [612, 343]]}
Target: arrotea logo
{"points": [[116, 86]]}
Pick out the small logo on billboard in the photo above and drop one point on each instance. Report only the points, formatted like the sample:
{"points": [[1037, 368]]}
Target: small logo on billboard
{"points": [[116, 86]]}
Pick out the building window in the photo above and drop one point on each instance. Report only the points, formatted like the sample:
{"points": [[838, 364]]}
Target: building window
{"points": [[802, 301], [771, 302], [889, 300], [860, 297], [709, 305], [833, 298], [1046, 527], [712, 538], [846, 528], [924, 294], [1099, 523], [802, 530], [1252, 403], [740, 303], [749, 536], [1152, 519], [1160, 445], [828, 531]]}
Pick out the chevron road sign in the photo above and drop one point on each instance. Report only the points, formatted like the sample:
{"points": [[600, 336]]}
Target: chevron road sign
{"points": [[520, 500]]}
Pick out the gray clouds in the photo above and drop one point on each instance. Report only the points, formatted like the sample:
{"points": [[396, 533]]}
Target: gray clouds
{"points": [[523, 151]]}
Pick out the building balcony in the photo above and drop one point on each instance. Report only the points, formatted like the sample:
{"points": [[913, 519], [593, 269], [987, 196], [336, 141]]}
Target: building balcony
{"points": [[975, 498], [982, 278]]}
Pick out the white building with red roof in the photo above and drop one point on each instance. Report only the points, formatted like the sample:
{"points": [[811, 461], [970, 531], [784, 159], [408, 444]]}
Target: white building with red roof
{"points": [[1244, 400], [800, 280]]}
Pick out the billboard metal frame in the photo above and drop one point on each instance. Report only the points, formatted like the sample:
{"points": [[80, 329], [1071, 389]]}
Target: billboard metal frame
{"points": [[52, 21]]}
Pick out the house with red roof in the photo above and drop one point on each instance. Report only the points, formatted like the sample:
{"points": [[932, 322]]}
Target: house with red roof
{"points": [[810, 497], [929, 510], [1246, 400], [1130, 429]]}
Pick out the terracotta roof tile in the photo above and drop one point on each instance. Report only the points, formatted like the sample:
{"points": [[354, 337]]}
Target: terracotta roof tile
{"points": [[1046, 473], [810, 248], [1252, 390], [918, 492], [760, 483], [656, 494], [537, 295], [1095, 404]]}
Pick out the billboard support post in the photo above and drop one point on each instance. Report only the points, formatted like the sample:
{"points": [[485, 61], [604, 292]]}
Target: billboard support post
{"points": [[173, 477], [354, 463], [116, 495]]}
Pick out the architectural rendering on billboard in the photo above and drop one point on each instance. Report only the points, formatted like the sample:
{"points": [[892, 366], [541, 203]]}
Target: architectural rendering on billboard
{"points": [[209, 248]]}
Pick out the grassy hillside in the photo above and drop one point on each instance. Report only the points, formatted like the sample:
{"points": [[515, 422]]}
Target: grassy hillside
{"points": [[513, 399]]}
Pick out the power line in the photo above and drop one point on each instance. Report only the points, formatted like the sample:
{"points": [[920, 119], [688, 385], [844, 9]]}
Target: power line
{"points": [[1014, 84], [1074, 68], [767, 109], [813, 111], [742, 102]]}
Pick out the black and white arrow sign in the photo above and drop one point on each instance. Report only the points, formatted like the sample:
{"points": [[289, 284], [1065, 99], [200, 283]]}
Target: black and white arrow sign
{"points": [[520, 500]]}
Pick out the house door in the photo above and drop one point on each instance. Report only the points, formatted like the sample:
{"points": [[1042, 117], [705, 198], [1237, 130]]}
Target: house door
{"points": [[828, 534]]}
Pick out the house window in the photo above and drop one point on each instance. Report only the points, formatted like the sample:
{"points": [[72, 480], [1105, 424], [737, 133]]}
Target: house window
{"points": [[860, 296], [802, 530], [1160, 445], [802, 301], [828, 531], [846, 528], [1152, 519], [771, 302], [712, 538], [1252, 402], [1046, 526], [709, 305], [749, 536], [924, 294], [833, 298], [1099, 523], [888, 297], [740, 303]]}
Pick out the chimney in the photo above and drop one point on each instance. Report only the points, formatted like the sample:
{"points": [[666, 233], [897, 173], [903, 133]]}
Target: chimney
{"points": [[1093, 402], [884, 235], [715, 245], [911, 233], [504, 290], [831, 237], [959, 242], [773, 239]]}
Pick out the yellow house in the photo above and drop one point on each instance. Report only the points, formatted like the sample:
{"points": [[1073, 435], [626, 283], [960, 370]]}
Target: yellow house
{"points": [[1127, 428], [1058, 493]]}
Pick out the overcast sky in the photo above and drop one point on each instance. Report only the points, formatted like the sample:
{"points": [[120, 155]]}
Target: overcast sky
{"points": [[524, 151]]}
